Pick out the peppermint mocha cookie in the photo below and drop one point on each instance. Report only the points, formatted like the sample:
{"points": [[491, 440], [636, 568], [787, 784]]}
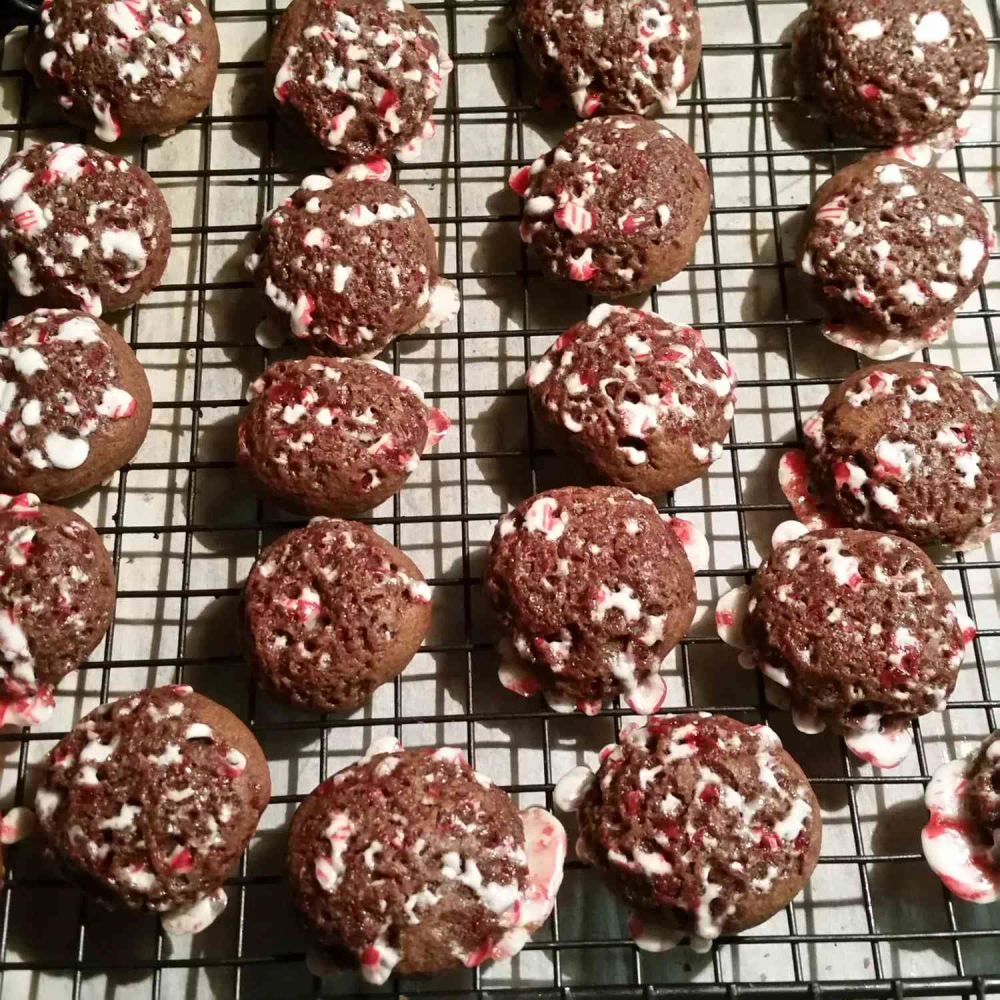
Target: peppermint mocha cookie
{"points": [[350, 265], [913, 449], [610, 56], [617, 206], [338, 437], [410, 862], [80, 228], [361, 77], [700, 824], [151, 799], [75, 403], [330, 612], [593, 589], [57, 595], [853, 630], [144, 67], [893, 250], [643, 402], [962, 839], [889, 71]]}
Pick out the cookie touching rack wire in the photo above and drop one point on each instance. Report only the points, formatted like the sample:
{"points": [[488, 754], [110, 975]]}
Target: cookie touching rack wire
{"points": [[874, 922]]}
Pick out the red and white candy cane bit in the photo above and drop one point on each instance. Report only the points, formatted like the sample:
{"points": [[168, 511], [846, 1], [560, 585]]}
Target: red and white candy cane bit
{"points": [[588, 708], [870, 91], [582, 268], [195, 918], [372, 170], [693, 541], [438, 424], [22, 504], [730, 612], [649, 696], [885, 747], [833, 212], [573, 217], [793, 477], [29, 709], [519, 180], [591, 104], [919, 154], [951, 841], [180, 860], [19, 823], [968, 627], [519, 679]]}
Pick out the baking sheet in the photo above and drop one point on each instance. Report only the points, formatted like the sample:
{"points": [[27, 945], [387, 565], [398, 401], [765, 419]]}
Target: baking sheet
{"points": [[184, 535]]}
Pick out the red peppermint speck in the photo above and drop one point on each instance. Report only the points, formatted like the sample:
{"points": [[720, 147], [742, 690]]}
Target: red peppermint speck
{"points": [[709, 794], [841, 473], [438, 423], [633, 802], [630, 225], [768, 839], [181, 861], [388, 101], [870, 91], [519, 180], [591, 104], [371, 956]]}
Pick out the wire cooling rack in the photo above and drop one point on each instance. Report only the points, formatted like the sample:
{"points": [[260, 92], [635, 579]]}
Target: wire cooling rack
{"points": [[183, 533]]}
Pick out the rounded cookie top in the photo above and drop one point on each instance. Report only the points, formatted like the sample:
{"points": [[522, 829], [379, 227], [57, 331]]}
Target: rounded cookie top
{"points": [[142, 67], [593, 589], [889, 70], [857, 627], [610, 56], [330, 612], [361, 76], [909, 448], [81, 228], [74, 403], [704, 825], [408, 861], [641, 400], [57, 595], [151, 799], [895, 248], [334, 436], [350, 265], [618, 205]]}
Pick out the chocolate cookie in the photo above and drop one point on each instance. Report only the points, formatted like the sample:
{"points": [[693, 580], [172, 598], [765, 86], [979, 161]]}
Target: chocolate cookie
{"points": [[889, 71], [643, 402], [893, 251], [74, 403], [962, 840], [361, 77], [609, 55], [909, 448], [151, 799], [330, 612], [142, 67], [856, 631], [57, 595], [350, 265], [593, 589], [80, 228], [338, 437], [411, 862], [700, 824], [618, 205]]}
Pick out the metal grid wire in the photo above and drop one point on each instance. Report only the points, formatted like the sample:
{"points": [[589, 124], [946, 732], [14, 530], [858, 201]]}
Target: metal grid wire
{"points": [[874, 922]]}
